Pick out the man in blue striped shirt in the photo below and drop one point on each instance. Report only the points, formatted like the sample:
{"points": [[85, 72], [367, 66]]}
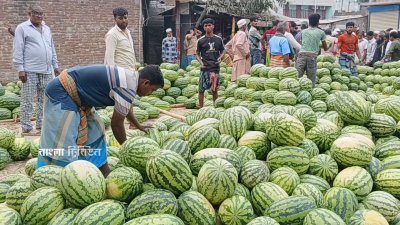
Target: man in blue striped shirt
{"points": [[34, 56]]}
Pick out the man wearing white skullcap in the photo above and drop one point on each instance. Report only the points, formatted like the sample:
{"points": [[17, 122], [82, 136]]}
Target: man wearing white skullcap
{"points": [[169, 48], [239, 49]]}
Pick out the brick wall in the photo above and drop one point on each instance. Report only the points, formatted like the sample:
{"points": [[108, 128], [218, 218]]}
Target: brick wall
{"points": [[78, 28]]}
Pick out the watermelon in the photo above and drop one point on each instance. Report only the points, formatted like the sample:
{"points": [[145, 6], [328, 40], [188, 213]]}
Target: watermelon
{"points": [[352, 108], [12, 179], [293, 157], [323, 166], [206, 137], [3, 191], [310, 191], [264, 194], [387, 149], [256, 141], [46, 176], [9, 216], [123, 184], [357, 130], [20, 149], [64, 217], [286, 178], [342, 201], [391, 162], [195, 209], [318, 182], [242, 190], [169, 166], [82, 184], [136, 151], [245, 154], [227, 141], [323, 134], [374, 167], [322, 216], [41, 206], [366, 216], [233, 123], [389, 180], [353, 151], [289, 84], [254, 172], [283, 129], [260, 119], [384, 203], [291, 210], [5, 158], [157, 201], [288, 72], [17, 194], [263, 220], [356, 179], [285, 98], [201, 157], [217, 180], [236, 210], [381, 125], [157, 219], [179, 146]]}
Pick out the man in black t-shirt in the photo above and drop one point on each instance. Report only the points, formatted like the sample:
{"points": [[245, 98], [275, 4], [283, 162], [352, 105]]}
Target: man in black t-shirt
{"points": [[210, 49]]}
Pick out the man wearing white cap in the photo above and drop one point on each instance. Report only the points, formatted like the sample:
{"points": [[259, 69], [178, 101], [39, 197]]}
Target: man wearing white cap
{"points": [[239, 49], [169, 49]]}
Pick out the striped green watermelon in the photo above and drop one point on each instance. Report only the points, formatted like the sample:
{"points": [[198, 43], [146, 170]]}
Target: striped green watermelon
{"points": [[318, 182], [157, 201], [245, 154], [286, 178], [263, 220], [285, 98], [318, 106], [357, 130], [7, 138], [233, 123], [342, 201], [236, 210], [64, 217], [391, 162], [264, 194], [291, 210], [254, 172], [389, 106], [387, 149], [374, 167], [242, 190], [46, 176], [288, 72], [227, 141], [319, 94], [307, 117], [169, 166], [20, 149], [268, 96], [195, 209], [41, 206], [389, 180], [136, 151], [356, 179], [123, 184], [289, 84], [3, 191], [157, 219], [9, 216], [179, 146], [305, 84], [366, 216], [304, 97], [5, 158], [217, 180], [353, 151], [259, 121], [203, 138], [322, 216], [381, 125], [201, 157], [82, 184], [309, 147], [289, 156], [323, 166], [256, 141], [12, 179], [334, 117], [203, 123], [283, 129], [323, 134], [107, 212], [30, 166], [310, 191], [352, 107], [17, 194], [384, 203], [156, 135], [113, 162]]}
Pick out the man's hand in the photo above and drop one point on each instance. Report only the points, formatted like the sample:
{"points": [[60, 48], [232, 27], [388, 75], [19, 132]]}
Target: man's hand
{"points": [[248, 55], [56, 72], [140, 127], [22, 76]]}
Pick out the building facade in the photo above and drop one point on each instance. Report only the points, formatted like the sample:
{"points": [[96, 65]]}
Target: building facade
{"points": [[383, 15], [303, 8]]}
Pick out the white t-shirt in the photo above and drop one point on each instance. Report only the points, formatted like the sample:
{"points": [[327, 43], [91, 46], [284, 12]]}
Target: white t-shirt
{"points": [[362, 45]]}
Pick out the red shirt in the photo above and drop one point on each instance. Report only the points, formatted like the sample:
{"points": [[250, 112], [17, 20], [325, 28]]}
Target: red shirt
{"points": [[271, 32], [348, 43]]}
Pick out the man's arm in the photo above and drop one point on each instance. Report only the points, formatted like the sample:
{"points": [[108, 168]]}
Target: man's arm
{"points": [[54, 59], [111, 45], [164, 51], [18, 53], [324, 45], [131, 118], [117, 126]]}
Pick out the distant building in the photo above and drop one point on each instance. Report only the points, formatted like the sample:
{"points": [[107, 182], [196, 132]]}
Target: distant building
{"points": [[383, 14], [347, 6], [303, 8]]}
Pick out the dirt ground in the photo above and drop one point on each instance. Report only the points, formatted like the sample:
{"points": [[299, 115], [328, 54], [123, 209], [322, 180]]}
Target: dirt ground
{"points": [[19, 167]]}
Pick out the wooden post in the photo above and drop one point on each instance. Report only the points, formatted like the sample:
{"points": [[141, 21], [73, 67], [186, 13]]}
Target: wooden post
{"points": [[233, 26]]}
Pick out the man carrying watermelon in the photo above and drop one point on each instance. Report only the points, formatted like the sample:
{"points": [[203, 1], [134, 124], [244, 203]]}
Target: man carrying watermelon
{"points": [[72, 130], [210, 50]]}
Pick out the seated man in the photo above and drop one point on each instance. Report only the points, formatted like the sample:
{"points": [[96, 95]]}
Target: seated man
{"points": [[70, 121]]}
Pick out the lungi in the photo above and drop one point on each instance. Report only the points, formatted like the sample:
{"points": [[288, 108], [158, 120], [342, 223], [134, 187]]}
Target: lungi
{"points": [[278, 61], [347, 61], [208, 80]]}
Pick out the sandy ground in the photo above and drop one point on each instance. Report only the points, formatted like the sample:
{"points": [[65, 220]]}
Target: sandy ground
{"points": [[19, 167]]}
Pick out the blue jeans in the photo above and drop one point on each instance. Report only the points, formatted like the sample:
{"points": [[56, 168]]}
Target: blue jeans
{"points": [[256, 56], [187, 60]]}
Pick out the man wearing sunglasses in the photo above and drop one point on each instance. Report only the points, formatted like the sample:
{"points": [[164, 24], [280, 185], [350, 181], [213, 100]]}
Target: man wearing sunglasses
{"points": [[34, 56]]}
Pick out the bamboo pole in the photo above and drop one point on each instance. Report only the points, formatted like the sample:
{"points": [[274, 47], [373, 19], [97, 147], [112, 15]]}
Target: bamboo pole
{"points": [[233, 26], [177, 105], [182, 118]]}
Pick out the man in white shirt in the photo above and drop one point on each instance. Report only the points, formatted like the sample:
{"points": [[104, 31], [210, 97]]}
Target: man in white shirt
{"points": [[362, 45], [371, 46], [119, 43]]}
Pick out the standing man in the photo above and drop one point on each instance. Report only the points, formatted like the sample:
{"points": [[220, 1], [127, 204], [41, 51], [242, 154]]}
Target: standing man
{"points": [[311, 39], [240, 50], [348, 46], [362, 45], [279, 48], [169, 48], [190, 46], [255, 42], [370, 47], [119, 43], [70, 119], [293, 28], [393, 54], [34, 56], [210, 50]]}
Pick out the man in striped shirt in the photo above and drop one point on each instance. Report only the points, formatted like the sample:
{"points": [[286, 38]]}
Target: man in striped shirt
{"points": [[70, 122]]}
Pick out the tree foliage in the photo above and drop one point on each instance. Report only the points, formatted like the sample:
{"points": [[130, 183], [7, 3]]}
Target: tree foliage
{"points": [[242, 7]]}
